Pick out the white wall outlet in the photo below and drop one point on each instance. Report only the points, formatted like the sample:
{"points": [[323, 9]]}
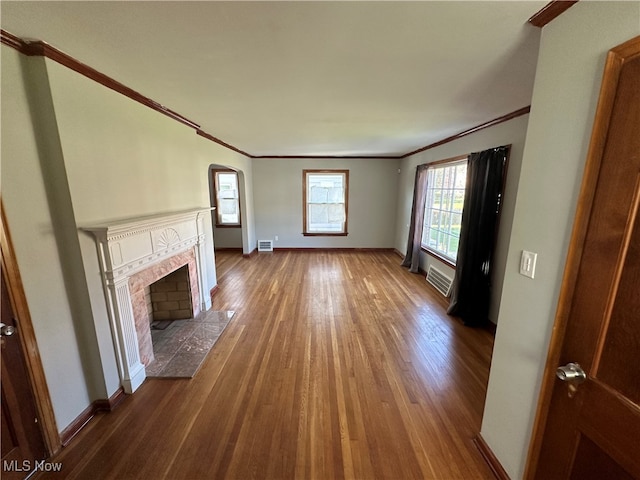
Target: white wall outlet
{"points": [[276, 238], [528, 264]]}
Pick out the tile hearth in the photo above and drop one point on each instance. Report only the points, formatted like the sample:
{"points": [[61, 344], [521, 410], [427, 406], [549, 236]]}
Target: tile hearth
{"points": [[182, 346]]}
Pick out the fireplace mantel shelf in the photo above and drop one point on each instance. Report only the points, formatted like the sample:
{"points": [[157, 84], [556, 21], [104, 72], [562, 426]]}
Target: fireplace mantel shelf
{"points": [[121, 228]]}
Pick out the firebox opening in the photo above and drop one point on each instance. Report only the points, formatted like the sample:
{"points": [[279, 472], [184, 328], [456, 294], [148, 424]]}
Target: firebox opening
{"points": [[169, 298]]}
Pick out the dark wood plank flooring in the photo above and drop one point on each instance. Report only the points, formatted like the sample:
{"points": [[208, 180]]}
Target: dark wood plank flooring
{"points": [[336, 365]]}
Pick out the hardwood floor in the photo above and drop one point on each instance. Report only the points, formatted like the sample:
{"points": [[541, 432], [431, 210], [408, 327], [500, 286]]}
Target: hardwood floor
{"points": [[336, 365]]}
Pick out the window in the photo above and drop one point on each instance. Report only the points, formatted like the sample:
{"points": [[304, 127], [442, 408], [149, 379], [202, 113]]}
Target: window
{"points": [[225, 184], [443, 208], [325, 196]]}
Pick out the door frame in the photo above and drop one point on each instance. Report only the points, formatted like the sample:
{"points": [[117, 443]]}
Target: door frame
{"points": [[28, 341], [613, 66]]}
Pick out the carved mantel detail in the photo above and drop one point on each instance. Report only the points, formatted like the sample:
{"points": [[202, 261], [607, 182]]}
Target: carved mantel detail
{"points": [[129, 246]]}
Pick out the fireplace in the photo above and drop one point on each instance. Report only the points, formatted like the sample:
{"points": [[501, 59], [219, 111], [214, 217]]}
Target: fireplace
{"points": [[171, 300], [170, 297], [135, 253]]}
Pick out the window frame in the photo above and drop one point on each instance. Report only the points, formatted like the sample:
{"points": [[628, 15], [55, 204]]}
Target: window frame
{"points": [[305, 205], [449, 162], [219, 223]]}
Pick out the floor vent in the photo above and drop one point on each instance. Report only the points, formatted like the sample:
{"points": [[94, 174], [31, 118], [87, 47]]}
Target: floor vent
{"points": [[439, 280], [265, 245]]}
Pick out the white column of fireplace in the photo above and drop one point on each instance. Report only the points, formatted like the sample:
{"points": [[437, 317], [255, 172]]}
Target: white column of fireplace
{"points": [[128, 246]]}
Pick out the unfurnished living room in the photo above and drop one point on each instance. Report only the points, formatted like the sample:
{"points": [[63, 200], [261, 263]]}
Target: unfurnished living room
{"points": [[320, 239]]}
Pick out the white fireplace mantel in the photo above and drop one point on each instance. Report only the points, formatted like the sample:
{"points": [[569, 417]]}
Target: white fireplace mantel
{"points": [[128, 246]]}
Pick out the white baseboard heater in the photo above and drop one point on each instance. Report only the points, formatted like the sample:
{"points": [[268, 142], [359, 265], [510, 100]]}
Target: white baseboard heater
{"points": [[265, 245], [439, 280]]}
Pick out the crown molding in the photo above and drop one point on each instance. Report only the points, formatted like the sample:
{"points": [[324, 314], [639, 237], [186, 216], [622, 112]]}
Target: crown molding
{"points": [[12, 41], [550, 11], [469, 131], [43, 49], [325, 157], [210, 137]]}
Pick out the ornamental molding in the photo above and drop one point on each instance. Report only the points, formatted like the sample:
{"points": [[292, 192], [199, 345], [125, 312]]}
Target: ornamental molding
{"points": [[119, 229], [126, 247], [131, 268]]}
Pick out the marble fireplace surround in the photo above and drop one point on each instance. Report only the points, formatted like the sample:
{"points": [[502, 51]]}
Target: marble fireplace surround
{"points": [[134, 251]]}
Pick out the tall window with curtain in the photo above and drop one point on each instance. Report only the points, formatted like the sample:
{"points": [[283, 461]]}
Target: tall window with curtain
{"points": [[471, 290], [443, 208], [412, 257], [454, 216]]}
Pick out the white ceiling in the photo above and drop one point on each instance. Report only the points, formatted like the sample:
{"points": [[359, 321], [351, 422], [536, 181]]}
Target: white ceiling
{"points": [[306, 78]]}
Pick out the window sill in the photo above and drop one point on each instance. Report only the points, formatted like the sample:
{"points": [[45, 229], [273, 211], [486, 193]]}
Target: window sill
{"points": [[228, 226], [446, 261], [328, 234]]}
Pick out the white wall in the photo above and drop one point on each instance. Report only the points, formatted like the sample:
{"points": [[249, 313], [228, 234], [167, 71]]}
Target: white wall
{"points": [[228, 237], [571, 60], [373, 193], [95, 145], [31, 225], [511, 132]]}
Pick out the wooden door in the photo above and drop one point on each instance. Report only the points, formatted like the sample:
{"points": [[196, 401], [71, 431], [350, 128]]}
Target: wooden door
{"points": [[22, 443], [591, 430]]}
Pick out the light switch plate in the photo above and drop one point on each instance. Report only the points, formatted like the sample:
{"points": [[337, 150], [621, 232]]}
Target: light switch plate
{"points": [[528, 264]]}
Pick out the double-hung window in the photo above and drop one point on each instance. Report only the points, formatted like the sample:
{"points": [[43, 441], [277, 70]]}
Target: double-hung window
{"points": [[227, 199], [325, 202], [443, 208]]}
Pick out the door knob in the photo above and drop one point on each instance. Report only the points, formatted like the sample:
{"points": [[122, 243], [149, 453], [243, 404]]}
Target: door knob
{"points": [[7, 330], [571, 372]]}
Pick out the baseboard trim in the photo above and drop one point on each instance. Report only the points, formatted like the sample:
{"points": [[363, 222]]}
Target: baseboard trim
{"points": [[100, 405], [492, 327], [228, 249], [398, 252], [331, 249], [213, 291], [489, 457], [111, 403], [74, 427], [251, 253]]}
